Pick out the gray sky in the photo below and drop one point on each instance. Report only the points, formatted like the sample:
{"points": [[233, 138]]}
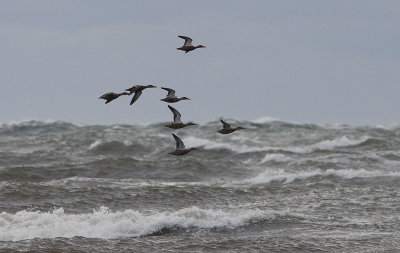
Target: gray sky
{"points": [[304, 61]]}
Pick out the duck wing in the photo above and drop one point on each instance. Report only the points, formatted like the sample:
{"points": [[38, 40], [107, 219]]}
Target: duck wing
{"points": [[188, 41], [225, 125], [177, 115], [136, 96], [171, 92], [179, 143], [131, 89]]}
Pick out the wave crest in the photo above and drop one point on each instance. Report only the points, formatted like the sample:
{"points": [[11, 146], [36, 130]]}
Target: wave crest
{"points": [[287, 177], [343, 141], [108, 225]]}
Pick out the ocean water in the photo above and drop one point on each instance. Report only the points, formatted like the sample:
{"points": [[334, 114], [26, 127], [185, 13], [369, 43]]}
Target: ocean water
{"points": [[273, 187]]}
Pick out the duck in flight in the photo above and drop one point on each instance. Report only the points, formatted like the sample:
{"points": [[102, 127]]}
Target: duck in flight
{"points": [[137, 89], [110, 96], [171, 98], [177, 120], [227, 129], [187, 47], [180, 147]]}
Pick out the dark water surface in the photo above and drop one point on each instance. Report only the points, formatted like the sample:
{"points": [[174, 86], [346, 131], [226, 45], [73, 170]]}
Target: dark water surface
{"points": [[274, 187]]}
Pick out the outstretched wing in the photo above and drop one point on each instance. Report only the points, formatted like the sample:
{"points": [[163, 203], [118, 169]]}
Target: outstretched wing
{"points": [[188, 41], [225, 125], [131, 89], [177, 115], [171, 92], [179, 143], [136, 96]]}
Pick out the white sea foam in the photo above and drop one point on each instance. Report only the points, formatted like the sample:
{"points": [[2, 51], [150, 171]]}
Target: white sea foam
{"points": [[279, 175], [95, 144], [209, 145], [288, 177], [266, 119], [390, 126], [343, 141], [127, 143], [108, 225], [79, 182], [30, 122], [4, 184], [274, 157]]}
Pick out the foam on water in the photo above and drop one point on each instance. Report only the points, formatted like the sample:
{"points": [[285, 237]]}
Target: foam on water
{"points": [[241, 183], [79, 182], [275, 158], [343, 141], [265, 119], [107, 224], [29, 122], [95, 144], [288, 177], [210, 145], [390, 126]]}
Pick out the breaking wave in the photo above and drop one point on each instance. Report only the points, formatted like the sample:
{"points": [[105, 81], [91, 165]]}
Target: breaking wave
{"points": [[343, 141], [275, 158], [265, 119], [288, 177], [106, 224]]}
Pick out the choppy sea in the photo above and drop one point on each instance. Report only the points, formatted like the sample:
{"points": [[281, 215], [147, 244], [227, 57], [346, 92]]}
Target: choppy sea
{"points": [[273, 187]]}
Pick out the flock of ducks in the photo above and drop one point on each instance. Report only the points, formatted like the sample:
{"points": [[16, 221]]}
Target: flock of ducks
{"points": [[137, 91]]}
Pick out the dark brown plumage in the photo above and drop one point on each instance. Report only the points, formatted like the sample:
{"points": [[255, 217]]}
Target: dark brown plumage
{"points": [[137, 89], [177, 120], [187, 46], [110, 96], [171, 98], [226, 128], [180, 147]]}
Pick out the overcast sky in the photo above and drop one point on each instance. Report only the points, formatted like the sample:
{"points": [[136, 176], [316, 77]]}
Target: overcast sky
{"points": [[302, 61]]}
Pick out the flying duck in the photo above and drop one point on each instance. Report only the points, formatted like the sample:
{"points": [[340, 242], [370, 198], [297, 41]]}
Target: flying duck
{"points": [[187, 47], [110, 96], [137, 89], [177, 120], [226, 128], [180, 147], [171, 98]]}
